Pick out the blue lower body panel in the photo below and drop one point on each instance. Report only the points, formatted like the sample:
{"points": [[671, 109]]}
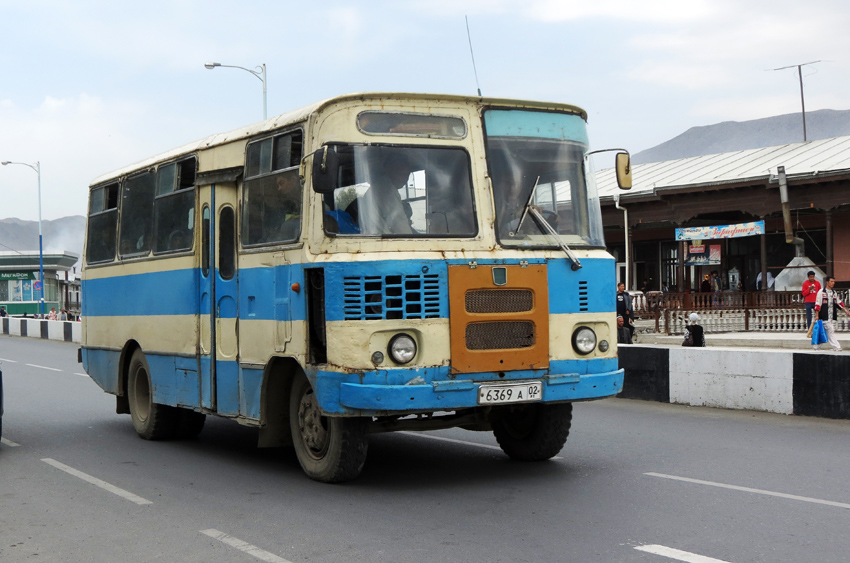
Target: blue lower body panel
{"points": [[424, 390]]}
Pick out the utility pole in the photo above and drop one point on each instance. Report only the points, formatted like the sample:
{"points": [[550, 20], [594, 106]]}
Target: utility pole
{"points": [[802, 98]]}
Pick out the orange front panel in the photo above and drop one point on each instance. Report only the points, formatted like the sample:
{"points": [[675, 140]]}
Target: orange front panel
{"points": [[499, 327]]}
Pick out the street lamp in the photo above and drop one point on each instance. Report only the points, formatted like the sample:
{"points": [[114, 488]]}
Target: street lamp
{"points": [[37, 169], [259, 73]]}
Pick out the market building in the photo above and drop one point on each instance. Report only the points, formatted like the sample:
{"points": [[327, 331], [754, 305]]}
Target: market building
{"points": [[20, 290], [740, 191]]}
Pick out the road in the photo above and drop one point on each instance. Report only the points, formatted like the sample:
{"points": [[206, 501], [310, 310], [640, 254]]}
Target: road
{"points": [[637, 482]]}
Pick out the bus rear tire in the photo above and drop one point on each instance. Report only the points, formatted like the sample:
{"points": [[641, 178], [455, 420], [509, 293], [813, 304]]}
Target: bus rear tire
{"points": [[152, 421], [533, 432], [329, 449]]}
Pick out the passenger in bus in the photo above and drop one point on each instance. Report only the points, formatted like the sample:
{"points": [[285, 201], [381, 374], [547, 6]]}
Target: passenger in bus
{"points": [[342, 221], [386, 213]]}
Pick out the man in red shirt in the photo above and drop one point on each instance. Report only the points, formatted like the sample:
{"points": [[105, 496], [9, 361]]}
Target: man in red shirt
{"points": [[810, 290]]}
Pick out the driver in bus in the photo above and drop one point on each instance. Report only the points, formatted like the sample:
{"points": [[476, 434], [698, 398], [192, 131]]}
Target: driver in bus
{"points": [[283, 210], [387, 213]]}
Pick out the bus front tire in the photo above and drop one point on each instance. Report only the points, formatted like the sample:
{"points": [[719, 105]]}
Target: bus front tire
{"points": [[329, 449], [152, 421], [533, 432]]}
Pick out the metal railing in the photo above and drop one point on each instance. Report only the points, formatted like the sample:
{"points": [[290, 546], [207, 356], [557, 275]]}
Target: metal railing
{"points": [[730, 311]]}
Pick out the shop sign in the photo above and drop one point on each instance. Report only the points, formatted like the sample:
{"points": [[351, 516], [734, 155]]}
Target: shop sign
{"points": [[721, 231], [703, 255], [17, 275]]}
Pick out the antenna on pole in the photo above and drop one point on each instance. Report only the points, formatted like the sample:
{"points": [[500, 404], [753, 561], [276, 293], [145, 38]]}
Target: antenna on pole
{"points": [[799, 68], [472, 54]]}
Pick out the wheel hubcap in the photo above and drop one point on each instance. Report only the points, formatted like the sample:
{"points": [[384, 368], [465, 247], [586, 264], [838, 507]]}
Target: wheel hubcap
{"points": [[312, 425]]}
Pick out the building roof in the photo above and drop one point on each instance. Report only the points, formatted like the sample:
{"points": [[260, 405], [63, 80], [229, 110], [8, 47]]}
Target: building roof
{"points": [[28, 260], [809, 160]]}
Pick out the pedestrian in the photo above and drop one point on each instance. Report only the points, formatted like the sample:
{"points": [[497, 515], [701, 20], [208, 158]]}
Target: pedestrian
{"points": [[52, 316], [715, 287], [810, 291], [624, 307], [705, 286], [63, 316], [827, 304], [624, 335], [645, 286], [2, 311], [694, 333]]}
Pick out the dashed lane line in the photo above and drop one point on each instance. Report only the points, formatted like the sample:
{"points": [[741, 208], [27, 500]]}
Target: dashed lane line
{"points": [[678, 554], [8, 360], [97, 482], [9, 443], [245, 547], [43, 367], [453, 441], [82, 374], [749, 490]]}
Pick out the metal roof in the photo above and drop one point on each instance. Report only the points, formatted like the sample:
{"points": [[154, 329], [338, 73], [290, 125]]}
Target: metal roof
{"points": [[28, 259], [822, 158]]}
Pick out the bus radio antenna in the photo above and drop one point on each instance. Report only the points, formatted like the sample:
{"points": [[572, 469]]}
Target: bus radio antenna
{"points": [[472, 54]]}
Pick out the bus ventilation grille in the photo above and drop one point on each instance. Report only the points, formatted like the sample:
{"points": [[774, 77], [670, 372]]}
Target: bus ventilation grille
{"points": [[392, 297], [499, 301], [499, 335], [582, 296]]}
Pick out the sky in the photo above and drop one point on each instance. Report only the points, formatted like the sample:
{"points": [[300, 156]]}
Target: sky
{"points": [[90, 86]]}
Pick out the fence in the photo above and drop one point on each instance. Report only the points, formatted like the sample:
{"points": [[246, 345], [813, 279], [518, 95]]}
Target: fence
{"points": [[729, 311]]}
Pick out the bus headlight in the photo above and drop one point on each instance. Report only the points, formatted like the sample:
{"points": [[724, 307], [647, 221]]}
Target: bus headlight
{"points": [[402, 348], [603, 346], [584, 340]]}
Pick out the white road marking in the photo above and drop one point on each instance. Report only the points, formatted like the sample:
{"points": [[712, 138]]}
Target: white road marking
{"points": [[97, 482], [244, 546], [43, 367], [453, 441], [7, 360], [82, 374], [9, 443], [678, 554], [749, 490]]}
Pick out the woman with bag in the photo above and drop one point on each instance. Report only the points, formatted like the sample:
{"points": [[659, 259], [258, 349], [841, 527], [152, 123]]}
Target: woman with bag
{"points": [[827, 304]]}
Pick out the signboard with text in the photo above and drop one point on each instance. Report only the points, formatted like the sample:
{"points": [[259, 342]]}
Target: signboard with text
{"points": [[17, 276], [721, 231], [703, 255]]}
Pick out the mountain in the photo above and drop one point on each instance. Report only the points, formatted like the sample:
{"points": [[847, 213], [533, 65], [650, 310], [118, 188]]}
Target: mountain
{"points": [[59, 235], [755, 134]]}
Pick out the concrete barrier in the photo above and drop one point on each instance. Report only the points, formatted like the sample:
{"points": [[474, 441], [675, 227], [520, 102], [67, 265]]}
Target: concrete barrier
{"points": [[68, 331], [781, 381]]}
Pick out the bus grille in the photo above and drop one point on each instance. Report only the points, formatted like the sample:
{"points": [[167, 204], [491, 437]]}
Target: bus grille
{"points": [[499, 335], [484, 301], [582, 296], [392, 297]]}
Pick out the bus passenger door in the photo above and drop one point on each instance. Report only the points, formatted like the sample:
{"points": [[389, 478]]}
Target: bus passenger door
{"points": [[225, 313], [218, 320]]}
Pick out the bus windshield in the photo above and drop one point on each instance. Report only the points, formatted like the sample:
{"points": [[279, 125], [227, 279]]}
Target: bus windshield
{"points": [[544, 152], [401, 191]]}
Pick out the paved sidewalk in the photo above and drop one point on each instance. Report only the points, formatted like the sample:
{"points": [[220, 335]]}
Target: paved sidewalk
{"points": [[788, 340]]}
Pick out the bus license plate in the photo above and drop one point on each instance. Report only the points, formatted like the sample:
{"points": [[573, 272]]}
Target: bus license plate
{"points": [[527, 392]]}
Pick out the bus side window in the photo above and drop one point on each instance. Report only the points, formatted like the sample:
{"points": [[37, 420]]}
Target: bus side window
{"points": [[102, 224], [174, 206], [205, 238], [137, 214]]}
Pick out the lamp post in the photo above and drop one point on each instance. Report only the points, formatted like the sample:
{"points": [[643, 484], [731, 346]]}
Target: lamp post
{"points": [[37, 169], [259, 73]]}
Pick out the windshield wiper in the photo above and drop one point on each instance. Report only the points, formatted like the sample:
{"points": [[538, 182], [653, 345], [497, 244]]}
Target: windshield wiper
{"points": [[546, 227], [551, 230]]}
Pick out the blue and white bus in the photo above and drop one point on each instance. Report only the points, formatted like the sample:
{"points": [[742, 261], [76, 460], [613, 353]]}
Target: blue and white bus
{"points": [[370, 263]]}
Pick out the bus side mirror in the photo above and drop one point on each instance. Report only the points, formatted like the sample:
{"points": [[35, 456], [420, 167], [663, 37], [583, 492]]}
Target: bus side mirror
{"points": [[325, 170], [624, 170]]}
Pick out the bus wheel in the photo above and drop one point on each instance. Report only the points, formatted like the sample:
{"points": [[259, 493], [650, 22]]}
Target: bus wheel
{"points": [[532, 432], [329, 449], [152, 421]]}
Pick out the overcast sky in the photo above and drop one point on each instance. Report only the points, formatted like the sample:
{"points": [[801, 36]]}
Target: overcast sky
{"points": [[90, 86]]}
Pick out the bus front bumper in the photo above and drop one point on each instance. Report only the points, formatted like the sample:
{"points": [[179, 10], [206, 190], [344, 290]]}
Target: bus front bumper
{"points": [[459, 394]]}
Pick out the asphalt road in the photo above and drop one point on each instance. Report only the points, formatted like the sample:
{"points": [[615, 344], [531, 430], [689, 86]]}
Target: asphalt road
{"points": [[637, 482]]}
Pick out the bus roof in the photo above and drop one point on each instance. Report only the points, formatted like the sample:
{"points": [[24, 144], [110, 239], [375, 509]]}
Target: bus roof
{"points": [[295, 116]]}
